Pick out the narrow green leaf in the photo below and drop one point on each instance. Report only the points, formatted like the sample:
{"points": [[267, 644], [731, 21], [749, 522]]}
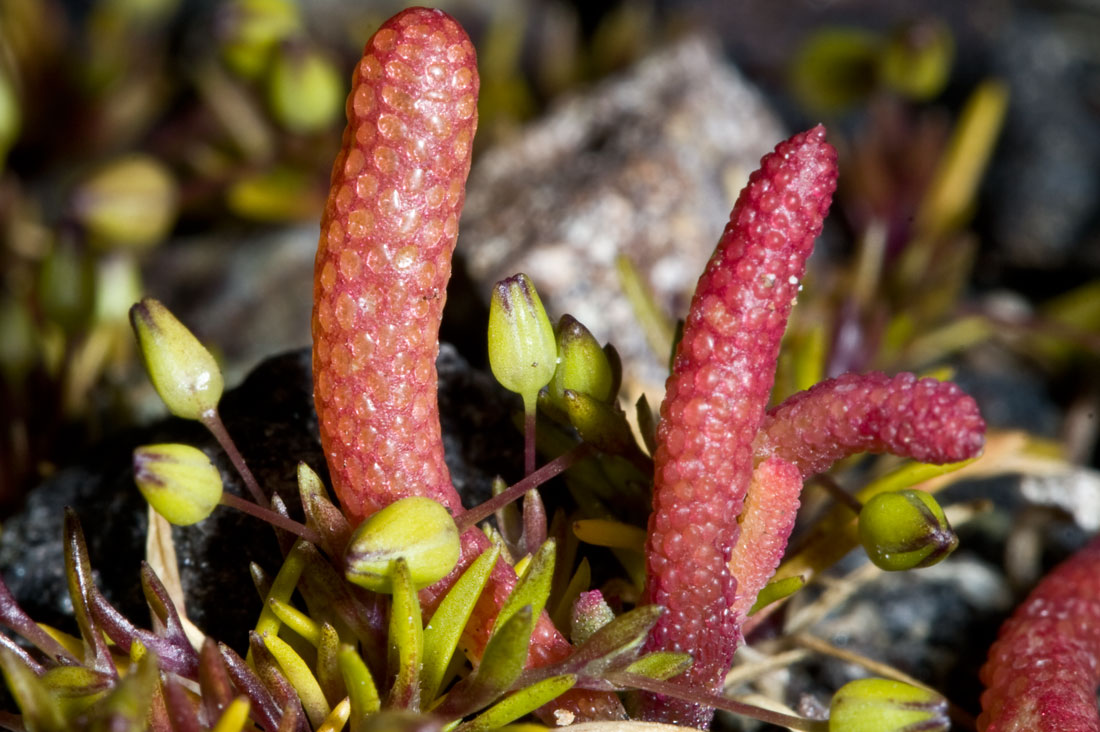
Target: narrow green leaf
{"points": [[300, 676], [296, 620], [442, 634], [501, 664], [362, 693], [234, 717], [660, 665], [328, 669], [533, 587], [522, 702], [615, 644], [41, 710], [406, 640], [777, 590], [282, 587]]}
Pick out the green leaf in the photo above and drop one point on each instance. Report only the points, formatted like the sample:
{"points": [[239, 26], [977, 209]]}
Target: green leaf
{"points": [[615, 644], [300, 676], [406, 640], [501, 664], [522, 702], [328, 669], [234, 717], [362, 693], [775, 591], [282, 587], [40, 707], [660, 665], [533, 588], [444, 630]]}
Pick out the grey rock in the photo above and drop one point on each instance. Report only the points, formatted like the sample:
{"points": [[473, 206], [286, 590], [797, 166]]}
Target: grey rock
{"points": [[646, 164]]}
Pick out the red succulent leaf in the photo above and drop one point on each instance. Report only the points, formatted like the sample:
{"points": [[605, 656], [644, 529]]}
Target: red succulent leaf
{"points": [[1042, 671], [714, 402], [771, 507], [380, 278], [924, 419]]}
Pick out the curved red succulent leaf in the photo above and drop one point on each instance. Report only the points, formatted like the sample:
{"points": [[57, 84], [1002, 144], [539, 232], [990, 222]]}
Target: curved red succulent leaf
{"points": [[384, 258], [924, 419], [714, 403], [1042, 671]]}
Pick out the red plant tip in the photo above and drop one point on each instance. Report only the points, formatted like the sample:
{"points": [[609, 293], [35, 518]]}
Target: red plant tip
{"points": [[1042, 671], [923, 419], [714, 402], [380, 279]]}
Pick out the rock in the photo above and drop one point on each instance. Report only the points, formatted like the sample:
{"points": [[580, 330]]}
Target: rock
{"points": [[271, 418], [646, 164]]}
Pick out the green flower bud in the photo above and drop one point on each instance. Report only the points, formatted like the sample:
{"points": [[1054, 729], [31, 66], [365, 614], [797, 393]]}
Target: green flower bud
{"points": [[582, 364], [523, 352], [601, 424], [304, 90], [178, 481], [916, 61], [590, 613], [250, 30], [881, 705], [904, 530], [182, 371], [130, 203], [417, 529]]}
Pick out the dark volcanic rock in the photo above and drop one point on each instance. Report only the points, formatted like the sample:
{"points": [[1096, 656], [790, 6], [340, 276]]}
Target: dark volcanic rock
{"points": [[272, 420]]}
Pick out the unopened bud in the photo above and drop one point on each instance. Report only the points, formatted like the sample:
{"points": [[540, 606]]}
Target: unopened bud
{"points": [[183, 372], [583, 365], [523, 352], [905, 530], [304, 90], [416, 529], [881, 705], [130, 203], [590, 613], [178, 481], [600, 424]]}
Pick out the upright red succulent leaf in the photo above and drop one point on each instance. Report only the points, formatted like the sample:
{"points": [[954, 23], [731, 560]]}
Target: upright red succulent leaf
{"points": [[380, 278], [924, 419], [384, 258], [1042, 671], [714, 403]]}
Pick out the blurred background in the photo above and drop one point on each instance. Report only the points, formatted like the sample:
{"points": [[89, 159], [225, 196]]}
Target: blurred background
{"points": [[181, 149]]}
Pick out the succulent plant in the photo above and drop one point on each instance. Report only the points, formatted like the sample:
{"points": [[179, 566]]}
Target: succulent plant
{"points": [[399, 576]]}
